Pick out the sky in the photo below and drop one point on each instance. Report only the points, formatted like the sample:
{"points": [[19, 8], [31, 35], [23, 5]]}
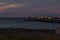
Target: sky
{"points": [[23, 8]]}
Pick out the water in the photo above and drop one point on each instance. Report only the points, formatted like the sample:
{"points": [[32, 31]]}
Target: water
{"points": [[21, 23]]}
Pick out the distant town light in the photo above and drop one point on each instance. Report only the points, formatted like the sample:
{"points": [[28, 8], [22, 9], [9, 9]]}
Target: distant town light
{"points": [[58, 16], [49, 17]]}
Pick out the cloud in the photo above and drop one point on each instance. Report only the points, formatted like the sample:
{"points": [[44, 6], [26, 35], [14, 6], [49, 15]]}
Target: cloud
{"points": [[33, 6], [54, 11], [3, 3], [4, 8], [15, 5], [39, 9], [44, 10]]}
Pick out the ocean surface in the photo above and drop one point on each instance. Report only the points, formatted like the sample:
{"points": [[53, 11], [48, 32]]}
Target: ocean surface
{"points": [[21, 23]]}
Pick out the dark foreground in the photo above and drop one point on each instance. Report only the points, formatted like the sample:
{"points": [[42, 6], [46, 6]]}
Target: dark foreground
{"points": [[27, 34]]}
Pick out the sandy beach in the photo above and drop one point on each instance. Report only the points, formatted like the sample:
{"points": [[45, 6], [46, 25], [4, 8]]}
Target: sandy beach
{"points": [[27, 34]]}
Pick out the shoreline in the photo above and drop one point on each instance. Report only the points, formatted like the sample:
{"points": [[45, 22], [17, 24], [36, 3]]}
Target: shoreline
{"points": [[19, 30], [27, 34]]}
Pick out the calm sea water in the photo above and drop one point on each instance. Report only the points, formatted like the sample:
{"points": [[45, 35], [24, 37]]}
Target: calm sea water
{"points": [[21, 23]]}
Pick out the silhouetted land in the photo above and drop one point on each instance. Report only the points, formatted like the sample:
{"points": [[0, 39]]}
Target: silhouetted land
{"points": [[27, 34], [46, 20]]}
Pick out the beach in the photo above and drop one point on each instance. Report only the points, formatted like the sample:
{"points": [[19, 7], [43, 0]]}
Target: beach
{"points": [[26, 34]]}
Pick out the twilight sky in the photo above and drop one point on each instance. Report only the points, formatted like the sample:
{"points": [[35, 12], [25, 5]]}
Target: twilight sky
{"points": [[21, 8]]}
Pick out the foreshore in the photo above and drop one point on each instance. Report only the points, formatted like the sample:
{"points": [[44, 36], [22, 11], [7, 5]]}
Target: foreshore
{"points": [[26, 34], [52, 31]]}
